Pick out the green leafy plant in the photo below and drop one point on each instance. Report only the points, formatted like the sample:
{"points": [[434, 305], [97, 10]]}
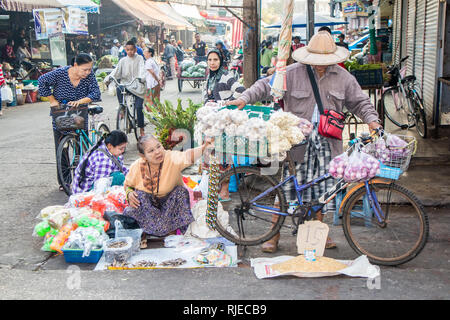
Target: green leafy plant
{"points": [[166, 119]]}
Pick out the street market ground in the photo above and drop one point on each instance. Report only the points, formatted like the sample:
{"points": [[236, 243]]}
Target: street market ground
{"points": [[28, 184]]}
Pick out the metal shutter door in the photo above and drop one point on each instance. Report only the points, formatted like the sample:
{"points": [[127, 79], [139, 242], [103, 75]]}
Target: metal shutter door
{"points": [[430, 56], [420, 40], [411, 35], [396, 40]]}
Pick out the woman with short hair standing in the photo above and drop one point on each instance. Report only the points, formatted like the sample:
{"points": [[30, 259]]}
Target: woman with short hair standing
{"points": [[74, 85]]}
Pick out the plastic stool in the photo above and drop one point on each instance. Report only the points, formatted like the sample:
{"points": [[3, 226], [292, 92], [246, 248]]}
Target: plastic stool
{"points": [[238, 162], [365, 211]]}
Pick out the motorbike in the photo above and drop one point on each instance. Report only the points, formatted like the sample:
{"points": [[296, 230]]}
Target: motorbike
{"points": [[237, 66]]}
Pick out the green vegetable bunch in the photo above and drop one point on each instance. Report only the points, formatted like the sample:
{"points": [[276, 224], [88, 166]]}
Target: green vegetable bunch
{"points": [[166, 119]]}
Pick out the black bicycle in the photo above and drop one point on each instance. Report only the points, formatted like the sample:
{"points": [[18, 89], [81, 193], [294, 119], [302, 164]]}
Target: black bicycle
{"points": [[405, 95], [126, 120]]}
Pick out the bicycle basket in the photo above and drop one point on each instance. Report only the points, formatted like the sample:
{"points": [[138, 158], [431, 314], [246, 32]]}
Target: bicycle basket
{"points": [[394, 160], [69, 119]]}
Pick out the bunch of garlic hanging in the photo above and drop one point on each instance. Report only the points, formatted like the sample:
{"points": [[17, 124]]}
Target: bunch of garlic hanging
{"points": [[283, 132]]}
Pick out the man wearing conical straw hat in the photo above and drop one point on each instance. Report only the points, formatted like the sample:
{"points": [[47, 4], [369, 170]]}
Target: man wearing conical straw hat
{"points": [[337, 89]]}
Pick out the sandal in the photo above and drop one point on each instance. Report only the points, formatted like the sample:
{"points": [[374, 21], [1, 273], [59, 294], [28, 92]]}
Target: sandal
{"points": [[271, 245], [330, 244], [61, 188], [144, 244], [224, 200]]}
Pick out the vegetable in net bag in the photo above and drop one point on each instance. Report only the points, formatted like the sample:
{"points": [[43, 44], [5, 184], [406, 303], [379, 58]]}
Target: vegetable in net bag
{"points": [[338, 165], [361, 166]]}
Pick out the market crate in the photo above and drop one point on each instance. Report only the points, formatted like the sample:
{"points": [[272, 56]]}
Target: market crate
{"points": [[372, 77], [239, 145], [76, 256]]}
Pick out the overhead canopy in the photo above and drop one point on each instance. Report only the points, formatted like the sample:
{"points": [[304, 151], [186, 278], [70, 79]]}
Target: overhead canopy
{"points": [[149, 13], [172, 18], [187, 10], [86, 5], [28, 5], [319, 21]]}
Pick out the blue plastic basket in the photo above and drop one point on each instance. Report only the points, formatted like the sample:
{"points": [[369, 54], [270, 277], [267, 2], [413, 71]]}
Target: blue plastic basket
{"points": [[75, 256], [389, 172]]}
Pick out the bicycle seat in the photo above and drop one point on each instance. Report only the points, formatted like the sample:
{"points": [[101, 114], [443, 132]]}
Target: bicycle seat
{"points": [[95, 110], [409, 79]]}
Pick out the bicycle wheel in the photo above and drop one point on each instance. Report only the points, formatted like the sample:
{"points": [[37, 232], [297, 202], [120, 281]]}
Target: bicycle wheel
{"points": [[67, 159], [101, 130], [122, 120], [396, 108], [420, 118], [133, 122], [399, 237], [246, 224]]}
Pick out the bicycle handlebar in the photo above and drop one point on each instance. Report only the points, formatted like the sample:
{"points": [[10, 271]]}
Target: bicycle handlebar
{"points": [[366, 138], [123, 84]]}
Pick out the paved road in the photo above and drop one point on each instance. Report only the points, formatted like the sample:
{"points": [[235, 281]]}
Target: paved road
{"points": [[28, 184]]}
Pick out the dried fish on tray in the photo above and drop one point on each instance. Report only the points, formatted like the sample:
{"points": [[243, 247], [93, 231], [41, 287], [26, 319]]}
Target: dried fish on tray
{"points": [[173, 262]]}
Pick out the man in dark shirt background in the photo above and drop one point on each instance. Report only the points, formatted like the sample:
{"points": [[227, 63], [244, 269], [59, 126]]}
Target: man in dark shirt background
{"points": [[341, 41], [169, 57], [200, 49]]}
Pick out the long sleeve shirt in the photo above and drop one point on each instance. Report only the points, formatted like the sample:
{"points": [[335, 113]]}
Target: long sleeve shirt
{"points": [[57, 83], [99, 166], [338, 89], [129, 69]]}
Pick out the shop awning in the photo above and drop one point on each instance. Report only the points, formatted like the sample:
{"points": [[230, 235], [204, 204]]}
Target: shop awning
{"points": [[191, 13], [179, 22], [28, 5], [85, 5], [149, 13]]}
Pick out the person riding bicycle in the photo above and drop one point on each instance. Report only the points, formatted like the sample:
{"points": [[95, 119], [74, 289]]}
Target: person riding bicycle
{"points": [[105, 159], [337, 88], [75, 84], [128, 69]]}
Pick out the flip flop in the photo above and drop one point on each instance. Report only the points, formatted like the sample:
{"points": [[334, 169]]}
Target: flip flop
{"points": [[224, 200]]}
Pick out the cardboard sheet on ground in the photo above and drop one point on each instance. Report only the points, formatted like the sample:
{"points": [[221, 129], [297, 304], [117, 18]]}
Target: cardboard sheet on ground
{"points": [[163, 254], [360, 267]]}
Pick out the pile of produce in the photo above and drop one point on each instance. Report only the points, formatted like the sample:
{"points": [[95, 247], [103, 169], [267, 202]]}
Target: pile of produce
{"points": [[79, 224], [282, 130], [300, 264], [168, 119], [107, 61], [389, 149], [191, 70]]}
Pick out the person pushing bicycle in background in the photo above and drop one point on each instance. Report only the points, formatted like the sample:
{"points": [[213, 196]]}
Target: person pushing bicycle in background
{"points": [[74, 85], [129, 68]]}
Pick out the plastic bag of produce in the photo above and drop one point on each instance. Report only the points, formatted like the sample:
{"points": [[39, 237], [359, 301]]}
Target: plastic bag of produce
{"points": [[187, 64], [338, 165], [397, 146], [185, 74], [191, 69], [361, 166]]}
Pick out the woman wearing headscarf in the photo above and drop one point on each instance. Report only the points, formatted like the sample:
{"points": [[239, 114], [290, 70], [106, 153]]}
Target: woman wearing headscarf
{"points": [[220, 85], [337, 88]]}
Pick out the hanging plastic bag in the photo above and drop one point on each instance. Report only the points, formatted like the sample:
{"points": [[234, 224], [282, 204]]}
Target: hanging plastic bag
{"points": [[361, 166], [203, 185], [7, 94], [112, 89], [102, 185], [338, 165]]}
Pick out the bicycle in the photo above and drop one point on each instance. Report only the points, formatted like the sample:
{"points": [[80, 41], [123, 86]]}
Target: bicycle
{"points": [[376, 213], [409, 110], [126, 119], [76, 143]]}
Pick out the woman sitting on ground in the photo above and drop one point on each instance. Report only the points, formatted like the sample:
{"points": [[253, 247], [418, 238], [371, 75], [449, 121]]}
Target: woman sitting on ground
{"points": [[155, 190], [105, 159]]}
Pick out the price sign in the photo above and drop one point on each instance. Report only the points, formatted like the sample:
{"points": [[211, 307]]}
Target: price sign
{"points": [[312, 235]]}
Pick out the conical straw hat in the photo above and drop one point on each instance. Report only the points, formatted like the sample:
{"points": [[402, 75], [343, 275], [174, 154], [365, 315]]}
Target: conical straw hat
{"points": [[321, 51]]}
